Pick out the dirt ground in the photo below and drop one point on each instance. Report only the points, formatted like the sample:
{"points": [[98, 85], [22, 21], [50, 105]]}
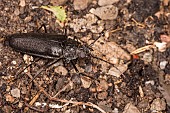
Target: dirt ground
{"points": [[128, 70]]}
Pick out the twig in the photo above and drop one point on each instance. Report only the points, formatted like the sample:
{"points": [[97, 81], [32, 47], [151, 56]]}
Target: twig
{"points": [[32, 101], [2, 39], [31, 107], [41, 89], [140, 25], [79, 103], [142, 49], [63, 89]]}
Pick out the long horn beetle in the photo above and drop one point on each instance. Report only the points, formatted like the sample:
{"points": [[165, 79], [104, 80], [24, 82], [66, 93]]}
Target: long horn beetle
{"points": [[50, 46]]}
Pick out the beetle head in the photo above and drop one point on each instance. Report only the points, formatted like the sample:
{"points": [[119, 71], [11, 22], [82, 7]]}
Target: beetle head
{"points": [[71, 53]]}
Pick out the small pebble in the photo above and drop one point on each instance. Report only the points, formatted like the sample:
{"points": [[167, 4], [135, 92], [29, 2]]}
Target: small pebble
{"points": [[90, 21], [8, 88], [116, 110], [20, 105], [9, 98], [163, 64], [130, 108], [102, 85], [106, 2], [28, 19], [14, 62], [161, 46], [15, 93], [40, 1], [61, 70], [16, 12], [108, 12], [150, 82], [102, 95], [78, 24], [147, 57], [58, 2], [144, 104], [27, 58], [80, 4], [86, 82], [118, 70], [60, 84], [22, 3], [88, 68], [158, 105], [76, 79]]}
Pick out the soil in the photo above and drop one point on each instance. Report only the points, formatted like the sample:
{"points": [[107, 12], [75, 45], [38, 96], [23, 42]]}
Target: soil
{"points": [[142, 87]]}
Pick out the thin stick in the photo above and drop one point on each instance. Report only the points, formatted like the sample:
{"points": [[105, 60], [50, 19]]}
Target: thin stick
{"points": [[79, 103], [32, 102], [33, 108], [40, 88], [63, 89]]}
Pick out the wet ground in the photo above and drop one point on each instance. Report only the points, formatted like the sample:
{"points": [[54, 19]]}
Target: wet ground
{"points": [[128, 70]]}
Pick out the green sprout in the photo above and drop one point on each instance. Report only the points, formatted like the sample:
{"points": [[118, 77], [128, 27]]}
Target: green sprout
{"points": [[58, 11]]}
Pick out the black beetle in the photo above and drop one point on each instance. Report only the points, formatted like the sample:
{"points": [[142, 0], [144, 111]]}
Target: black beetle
{"points": [[47, 45], [50, 46]]}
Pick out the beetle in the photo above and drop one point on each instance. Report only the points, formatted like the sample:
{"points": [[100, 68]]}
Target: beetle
{"points": [[47, 45], [51, 46]]}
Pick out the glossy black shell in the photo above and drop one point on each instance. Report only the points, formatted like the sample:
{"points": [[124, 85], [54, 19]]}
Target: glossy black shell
{"points": [[47, 45]]}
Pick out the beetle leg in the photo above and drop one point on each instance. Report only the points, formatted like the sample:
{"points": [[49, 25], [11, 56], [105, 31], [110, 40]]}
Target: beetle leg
{"points": [[43, 25], [83, 74], [17, 75], [74, 66], [101, 34], [65, 31], [45, 67], [64, 64]]}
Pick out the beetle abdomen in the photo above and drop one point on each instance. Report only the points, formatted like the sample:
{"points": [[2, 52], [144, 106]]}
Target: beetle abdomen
{"points": [[47, 45], [35, 45]]}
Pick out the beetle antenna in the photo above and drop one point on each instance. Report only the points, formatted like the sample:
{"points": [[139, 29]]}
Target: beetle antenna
{"points": [[108, 63], [102, 34], [74, 66]]}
